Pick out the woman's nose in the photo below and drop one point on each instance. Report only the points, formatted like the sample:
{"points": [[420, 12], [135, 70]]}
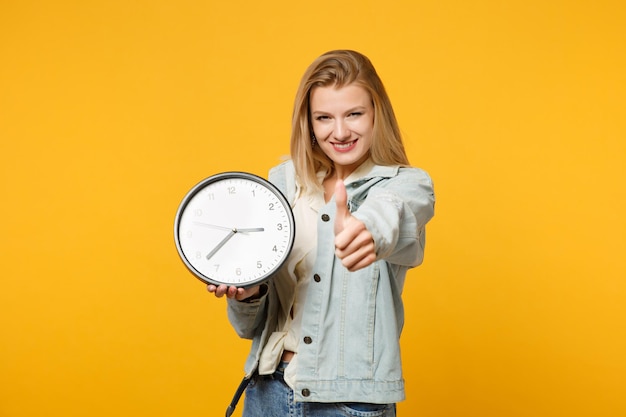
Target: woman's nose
{"points": [[341, 130]]}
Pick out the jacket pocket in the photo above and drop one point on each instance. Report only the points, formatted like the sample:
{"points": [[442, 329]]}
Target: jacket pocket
{"points": [[358, 320]]}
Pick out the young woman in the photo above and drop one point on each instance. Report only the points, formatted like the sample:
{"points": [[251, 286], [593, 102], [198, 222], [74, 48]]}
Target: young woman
{"points": [[325, 329]]}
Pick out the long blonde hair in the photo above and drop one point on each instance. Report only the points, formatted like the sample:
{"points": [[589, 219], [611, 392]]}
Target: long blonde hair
{"points": [[340, 68]]}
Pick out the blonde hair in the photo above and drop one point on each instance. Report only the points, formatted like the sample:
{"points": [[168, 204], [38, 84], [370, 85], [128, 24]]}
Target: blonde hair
{"points": [[340, 68]]}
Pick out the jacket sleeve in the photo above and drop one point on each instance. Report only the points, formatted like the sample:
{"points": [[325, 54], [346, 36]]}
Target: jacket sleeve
{"points": [[395, 212], [247, 317]]}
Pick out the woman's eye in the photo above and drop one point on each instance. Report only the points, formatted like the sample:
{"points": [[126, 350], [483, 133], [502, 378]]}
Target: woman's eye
{"points": [[355, 114], [322, 118]]}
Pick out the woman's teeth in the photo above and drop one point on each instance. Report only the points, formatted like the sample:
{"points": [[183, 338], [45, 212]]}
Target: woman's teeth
{"points": [[343, 145]]}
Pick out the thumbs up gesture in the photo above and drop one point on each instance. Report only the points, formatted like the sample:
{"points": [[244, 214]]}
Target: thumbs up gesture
{"points": [[354, 244]]}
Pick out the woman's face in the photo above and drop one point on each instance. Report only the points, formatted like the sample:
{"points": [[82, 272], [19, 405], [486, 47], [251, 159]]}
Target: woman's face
{"points": [[343, 123]]}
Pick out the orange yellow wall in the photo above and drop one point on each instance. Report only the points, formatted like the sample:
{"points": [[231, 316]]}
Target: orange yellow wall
{"points": [[111, 110]]}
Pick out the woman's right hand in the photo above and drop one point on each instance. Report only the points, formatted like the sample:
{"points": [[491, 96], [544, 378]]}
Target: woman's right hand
{"points": [[233, 292]]}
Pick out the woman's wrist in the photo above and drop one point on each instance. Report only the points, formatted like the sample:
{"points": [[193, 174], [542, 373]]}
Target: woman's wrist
{"points": [[262, 290]]}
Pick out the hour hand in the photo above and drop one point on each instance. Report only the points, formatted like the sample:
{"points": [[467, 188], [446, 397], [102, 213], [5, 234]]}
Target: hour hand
{"points": [[251, 229]]}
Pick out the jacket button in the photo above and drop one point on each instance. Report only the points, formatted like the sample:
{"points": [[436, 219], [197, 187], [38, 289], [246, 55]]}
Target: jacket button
{"points": [[308, 340], [325, 217], [316, 278], [306, 392]]}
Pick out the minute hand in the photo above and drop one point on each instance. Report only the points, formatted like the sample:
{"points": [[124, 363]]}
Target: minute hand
{"points": [[219, 245], [231, 234]]}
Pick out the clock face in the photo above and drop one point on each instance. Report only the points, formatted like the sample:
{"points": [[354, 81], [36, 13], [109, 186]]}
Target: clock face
{"points": [[234, 228]]}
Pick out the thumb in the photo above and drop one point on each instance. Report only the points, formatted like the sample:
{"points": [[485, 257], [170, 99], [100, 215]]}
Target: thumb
{"points": [[341, 199]]}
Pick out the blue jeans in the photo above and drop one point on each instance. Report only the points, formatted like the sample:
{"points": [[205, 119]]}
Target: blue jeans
{"points": [[270, 396]]}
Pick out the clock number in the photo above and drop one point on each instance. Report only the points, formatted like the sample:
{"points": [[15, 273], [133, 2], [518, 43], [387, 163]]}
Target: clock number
{"points": [[238, 271], [275, 249], [211, 196], [217, 267], [271, 206], [197, 212], [279, 226], [232, 190], [259, 265]]}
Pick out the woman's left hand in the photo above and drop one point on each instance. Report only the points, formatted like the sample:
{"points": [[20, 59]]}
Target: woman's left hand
{"points": [[354, 244]]}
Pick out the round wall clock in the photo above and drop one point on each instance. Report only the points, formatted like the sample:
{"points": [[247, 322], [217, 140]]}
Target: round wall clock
{"points": [[234, 228]]}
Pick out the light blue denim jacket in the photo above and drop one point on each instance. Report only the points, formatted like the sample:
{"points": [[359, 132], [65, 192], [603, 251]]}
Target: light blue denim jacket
{"points": [[352, 321]]}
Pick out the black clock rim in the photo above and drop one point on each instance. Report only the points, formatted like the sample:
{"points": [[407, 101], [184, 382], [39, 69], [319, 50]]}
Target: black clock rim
{"points": [[218, 177]]}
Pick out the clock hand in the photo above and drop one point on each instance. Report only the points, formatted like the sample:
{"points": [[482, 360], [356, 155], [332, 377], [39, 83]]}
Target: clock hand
{"points": [[214, 226], [219, 245], [228, 236], [253, 229]]}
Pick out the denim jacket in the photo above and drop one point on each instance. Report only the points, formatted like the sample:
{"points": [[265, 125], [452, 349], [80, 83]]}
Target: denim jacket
{"points": [[352, 321]]}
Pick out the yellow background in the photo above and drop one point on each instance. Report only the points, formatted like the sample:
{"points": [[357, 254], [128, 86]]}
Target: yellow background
{"points": [[111, 110]]}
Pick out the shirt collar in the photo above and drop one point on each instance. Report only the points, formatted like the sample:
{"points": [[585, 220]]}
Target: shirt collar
{"points": [[368, 169]]}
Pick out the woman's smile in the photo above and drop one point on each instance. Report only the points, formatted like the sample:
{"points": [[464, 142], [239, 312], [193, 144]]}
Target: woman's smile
{"points": [[344, 146]]}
